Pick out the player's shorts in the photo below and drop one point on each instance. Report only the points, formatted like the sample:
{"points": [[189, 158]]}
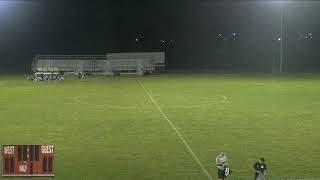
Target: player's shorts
{"points": [[221, 174], [259, 177]]}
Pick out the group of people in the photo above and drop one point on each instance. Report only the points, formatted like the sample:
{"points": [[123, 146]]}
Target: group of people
{"points": [[45, 77], [259, 167]]}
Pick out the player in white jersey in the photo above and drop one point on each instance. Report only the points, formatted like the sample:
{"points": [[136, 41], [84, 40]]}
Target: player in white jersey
{"points": [[222, 163]]}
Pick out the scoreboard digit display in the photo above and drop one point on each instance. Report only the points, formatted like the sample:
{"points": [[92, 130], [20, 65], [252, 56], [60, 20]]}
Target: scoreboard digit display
{"points": [[28, 160]]}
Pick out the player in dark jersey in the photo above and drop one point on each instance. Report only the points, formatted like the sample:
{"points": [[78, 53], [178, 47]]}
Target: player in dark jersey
{"points": [[260, 169]]}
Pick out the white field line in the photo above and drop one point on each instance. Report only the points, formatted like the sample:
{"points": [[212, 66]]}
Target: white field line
{"points": [[177, 132], [222, 100]]}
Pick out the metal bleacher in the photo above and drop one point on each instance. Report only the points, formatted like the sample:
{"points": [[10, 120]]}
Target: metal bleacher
{"points": [[129, 63]]}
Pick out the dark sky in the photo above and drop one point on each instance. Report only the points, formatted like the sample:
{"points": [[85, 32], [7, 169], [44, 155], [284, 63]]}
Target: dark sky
{"points": [[190, 29]]}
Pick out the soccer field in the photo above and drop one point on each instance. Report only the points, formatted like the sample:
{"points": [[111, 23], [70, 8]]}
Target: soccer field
{"points": [[168, 126]]}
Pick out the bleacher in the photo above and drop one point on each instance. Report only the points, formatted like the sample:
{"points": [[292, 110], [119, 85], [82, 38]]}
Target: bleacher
{"points": [[113, 63]]}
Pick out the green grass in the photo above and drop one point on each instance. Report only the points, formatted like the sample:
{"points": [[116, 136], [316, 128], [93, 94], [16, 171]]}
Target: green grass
{"points": [[108, 128]]}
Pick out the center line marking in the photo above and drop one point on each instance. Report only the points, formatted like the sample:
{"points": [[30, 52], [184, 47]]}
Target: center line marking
{"points": [[177, 132]]}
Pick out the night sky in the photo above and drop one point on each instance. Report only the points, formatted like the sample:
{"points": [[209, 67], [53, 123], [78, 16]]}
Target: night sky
{"points": [[218, 35]]}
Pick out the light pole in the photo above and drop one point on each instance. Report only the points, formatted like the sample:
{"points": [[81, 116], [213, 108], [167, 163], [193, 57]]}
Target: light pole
{"points": [[281, 38]]}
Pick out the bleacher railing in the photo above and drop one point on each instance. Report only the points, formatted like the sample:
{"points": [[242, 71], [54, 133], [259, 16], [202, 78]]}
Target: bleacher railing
{"points": [[91, 63]]}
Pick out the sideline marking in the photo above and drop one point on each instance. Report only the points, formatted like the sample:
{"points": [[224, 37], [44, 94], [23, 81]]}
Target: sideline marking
{"points": [[177, 132]]}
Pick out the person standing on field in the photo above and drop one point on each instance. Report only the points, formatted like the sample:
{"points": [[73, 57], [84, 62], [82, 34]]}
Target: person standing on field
{"points": [[260, 168], [222, 162]]}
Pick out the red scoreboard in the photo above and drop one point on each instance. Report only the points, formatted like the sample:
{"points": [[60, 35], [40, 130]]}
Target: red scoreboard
{"points": [[28, 160]]}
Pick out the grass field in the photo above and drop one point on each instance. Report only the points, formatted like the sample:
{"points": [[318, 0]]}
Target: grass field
{"points": [[109, 128]]}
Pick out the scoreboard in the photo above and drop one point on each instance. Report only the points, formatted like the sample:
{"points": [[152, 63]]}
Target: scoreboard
{"points": [[28, 160]]}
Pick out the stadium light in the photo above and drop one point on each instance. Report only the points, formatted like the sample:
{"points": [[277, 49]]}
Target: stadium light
{"points": [[5, 6]]}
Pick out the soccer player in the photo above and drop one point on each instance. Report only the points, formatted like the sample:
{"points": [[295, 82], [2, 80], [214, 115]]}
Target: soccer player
{"points": [[260, 169], [222, 162]]}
